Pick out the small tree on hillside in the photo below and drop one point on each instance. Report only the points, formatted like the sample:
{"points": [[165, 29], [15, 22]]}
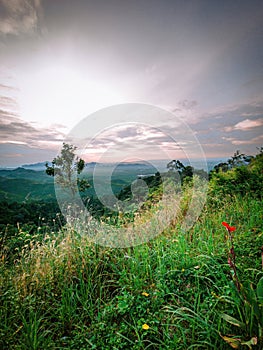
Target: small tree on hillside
{"points": [[175, 165], [237, 160], [183, 171], [66, 167]]}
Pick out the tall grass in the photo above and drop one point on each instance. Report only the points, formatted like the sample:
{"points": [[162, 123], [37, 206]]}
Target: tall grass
{"points": [[67, 292]]}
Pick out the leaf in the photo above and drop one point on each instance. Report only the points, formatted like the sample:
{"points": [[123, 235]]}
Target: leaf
{"points": [[233, 320], [233, 342], [251, 302], [260, 290]]}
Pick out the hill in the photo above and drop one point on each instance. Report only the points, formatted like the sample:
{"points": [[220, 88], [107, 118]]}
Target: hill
{"points": [[200, 288], [27, 183], [23, 184]]}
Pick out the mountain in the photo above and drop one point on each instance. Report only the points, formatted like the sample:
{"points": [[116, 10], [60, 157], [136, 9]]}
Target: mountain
{"points": [[21, 173], [157, 164], [19, 190], [35, 166], [31, 182], [23, 184]]}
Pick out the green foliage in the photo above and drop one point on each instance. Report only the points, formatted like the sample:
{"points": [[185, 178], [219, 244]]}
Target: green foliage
{"points": [[31, 212], [60, 290], [20, 189], [239, 180], [85, 296], [248, 305], [249, 308], [238, 159], [65, 169], [185, 172]]}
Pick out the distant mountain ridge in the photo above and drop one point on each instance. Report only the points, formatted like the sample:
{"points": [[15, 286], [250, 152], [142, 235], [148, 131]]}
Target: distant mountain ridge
{"points": [[22, 173], [30, 182], [211, 162], [42, 165], [35, 166]]}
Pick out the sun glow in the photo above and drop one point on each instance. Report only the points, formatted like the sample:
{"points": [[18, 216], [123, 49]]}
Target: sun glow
{"points": [[61, 95]]}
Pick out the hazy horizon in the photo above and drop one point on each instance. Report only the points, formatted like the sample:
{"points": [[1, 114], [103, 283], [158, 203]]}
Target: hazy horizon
{"points": [[150, 162]]}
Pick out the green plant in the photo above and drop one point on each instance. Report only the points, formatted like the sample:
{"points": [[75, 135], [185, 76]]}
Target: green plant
{"points": [[34, 331], [63, 291], [66, 167], [249, 306]]}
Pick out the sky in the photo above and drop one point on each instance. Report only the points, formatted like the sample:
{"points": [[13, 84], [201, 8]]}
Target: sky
{"points": [[65, 63]]}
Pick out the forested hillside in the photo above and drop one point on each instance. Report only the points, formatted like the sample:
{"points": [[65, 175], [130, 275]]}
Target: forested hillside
{"points": [[200, 288]]}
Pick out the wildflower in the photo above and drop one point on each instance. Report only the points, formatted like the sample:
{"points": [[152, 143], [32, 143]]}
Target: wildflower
{"points": [[145, 294], [183, 270], [228, 227], [145, 326], [231, 254]]}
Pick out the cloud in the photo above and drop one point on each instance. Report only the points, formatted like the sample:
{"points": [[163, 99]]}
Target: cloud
{"points": [[233, 118], [14, 154], [137, 133], [7, 98], [221, 130], [6, 115], [186, 104], [14, 130], [7, 87], [254, 141], [244, 120], [20, 16], [8, 102], [246, 124], [136, 140]]}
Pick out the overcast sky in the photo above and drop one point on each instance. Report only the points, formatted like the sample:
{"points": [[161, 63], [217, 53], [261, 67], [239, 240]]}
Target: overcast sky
{"points": [[63, 60]]}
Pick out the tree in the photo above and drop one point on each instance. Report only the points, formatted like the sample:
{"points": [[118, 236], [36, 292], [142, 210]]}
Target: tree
{"points": [[238, 159], [188, 171], [174, 165], [221, 167], [66, 167], [184, 171]]}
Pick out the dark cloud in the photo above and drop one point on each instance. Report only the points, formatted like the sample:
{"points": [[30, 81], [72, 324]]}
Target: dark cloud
{"points": [[15, 130], [229, 127], [13, 154], [242, 117], [186, 104], [20, 16], [131, 131], [255, 141]]}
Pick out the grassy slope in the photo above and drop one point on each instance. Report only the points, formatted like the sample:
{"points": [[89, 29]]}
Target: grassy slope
{"points": [[69, 293]]}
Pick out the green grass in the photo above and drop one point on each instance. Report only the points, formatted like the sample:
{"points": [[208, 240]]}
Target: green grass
{"points": [[65, 292]]}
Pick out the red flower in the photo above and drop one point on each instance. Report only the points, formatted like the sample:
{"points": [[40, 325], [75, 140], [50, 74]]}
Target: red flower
{"points": [[228, 227]]}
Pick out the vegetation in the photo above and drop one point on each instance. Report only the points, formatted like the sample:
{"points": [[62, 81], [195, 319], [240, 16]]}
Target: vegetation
{"points": [[24, 185], [65, 169], [200, 289]]}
